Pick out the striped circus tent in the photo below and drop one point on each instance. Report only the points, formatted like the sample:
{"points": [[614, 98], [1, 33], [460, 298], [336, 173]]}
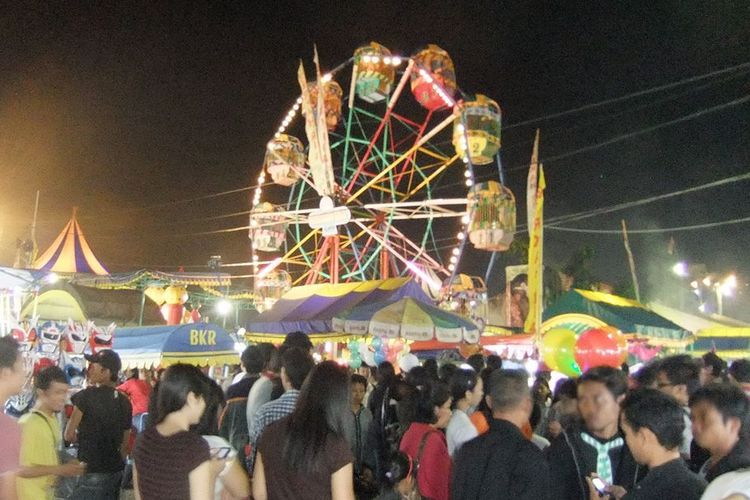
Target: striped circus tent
{"points": [[70, 253]]}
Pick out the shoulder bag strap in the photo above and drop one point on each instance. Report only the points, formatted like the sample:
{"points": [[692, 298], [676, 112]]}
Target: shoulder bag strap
{"points": [[418, 459]]}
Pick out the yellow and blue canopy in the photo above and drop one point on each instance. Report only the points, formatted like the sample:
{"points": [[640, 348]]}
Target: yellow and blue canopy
{"points": [[311, 308], [200, 344], [70, 253]]}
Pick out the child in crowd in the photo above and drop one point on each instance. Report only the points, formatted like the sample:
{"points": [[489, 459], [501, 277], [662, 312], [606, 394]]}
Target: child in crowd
{"points": [[399, 479]]}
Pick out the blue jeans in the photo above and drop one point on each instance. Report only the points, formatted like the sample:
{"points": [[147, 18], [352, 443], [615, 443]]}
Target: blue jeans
{"points": [[99, 486]]}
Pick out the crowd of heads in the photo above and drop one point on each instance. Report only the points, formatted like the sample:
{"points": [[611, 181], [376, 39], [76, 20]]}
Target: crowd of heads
{"points": [[648, 407]]}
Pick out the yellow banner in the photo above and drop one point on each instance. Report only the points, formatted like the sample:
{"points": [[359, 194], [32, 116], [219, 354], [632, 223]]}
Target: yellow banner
{"points": [[536, 238]]}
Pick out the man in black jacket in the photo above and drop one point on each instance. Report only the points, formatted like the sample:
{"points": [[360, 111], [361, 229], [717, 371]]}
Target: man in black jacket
{"points": [[597, 446], [503, 464], [653, 425], [721, 424]]}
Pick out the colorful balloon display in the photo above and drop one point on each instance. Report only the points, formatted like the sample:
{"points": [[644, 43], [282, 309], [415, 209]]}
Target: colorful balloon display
{"points": [[604, 346], [558, 351]]}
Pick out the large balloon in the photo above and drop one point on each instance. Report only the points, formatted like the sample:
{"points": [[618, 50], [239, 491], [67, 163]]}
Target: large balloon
{"points": [[355, 361], [601, 347], [558, 349], [379, 357]]}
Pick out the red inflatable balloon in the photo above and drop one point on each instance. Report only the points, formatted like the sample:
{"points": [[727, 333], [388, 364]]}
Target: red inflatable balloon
{"points": [[600, 347]]}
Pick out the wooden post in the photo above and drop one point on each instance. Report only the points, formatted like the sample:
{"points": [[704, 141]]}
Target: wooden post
{"points": [[143, 306], [631, 261]]}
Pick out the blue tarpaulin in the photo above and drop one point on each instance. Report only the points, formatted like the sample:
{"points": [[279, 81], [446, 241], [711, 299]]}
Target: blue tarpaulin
{"points": [[193, 343]]}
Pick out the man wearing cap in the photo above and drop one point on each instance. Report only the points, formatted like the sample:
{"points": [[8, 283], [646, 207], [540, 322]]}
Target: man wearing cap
{"points": [[100, 424]]}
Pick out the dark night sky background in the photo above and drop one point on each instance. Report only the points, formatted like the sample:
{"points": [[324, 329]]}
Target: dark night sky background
{"points": [[122, 108]]}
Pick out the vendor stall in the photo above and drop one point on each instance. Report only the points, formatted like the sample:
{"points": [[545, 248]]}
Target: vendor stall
{"points": [[311, 308], [201, 344], [581, 310], [728, 337]]}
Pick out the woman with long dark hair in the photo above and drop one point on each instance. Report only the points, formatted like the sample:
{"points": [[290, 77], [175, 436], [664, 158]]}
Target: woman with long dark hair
{"points": [[232, 482], [170, 461], [305, 455], [425, 443]]}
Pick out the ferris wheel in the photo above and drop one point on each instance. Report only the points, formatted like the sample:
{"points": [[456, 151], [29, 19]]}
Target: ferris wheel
{"points": [[378, 182]]}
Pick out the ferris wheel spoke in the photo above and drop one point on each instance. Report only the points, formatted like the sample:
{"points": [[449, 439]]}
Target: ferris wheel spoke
{"points": [[410, 164], [301, 241], [410, 247], [402, 157], [432, 176], [385, 245], [383, 122]]}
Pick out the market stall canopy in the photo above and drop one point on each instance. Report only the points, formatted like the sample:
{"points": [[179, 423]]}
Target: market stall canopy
{"points": [[139, 279], [64, 301], [407, 318], [200, 344], [311, 308], [583, 309], [70, 253], [727, 343], [491, 336], [728, 337], [24, 279]]}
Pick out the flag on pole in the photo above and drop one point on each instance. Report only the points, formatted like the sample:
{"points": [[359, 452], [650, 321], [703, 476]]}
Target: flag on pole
{"points": [[531, 183], [536, 239]]}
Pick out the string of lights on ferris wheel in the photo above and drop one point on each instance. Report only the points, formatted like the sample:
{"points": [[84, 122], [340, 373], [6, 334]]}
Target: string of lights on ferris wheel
{"points": [[461, 236]]}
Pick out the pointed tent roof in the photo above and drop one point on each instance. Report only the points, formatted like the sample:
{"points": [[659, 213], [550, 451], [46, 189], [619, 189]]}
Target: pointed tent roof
{"points": [[70, 253]]}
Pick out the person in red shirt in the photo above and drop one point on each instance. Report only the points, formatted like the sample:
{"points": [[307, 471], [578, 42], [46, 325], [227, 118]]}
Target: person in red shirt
{"points": [[138, 390], [425, 442]]}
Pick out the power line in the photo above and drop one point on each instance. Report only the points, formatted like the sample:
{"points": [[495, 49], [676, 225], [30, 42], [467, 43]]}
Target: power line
{"points": [[643, 201], [632, 95], [738, 67], [646, 130], [652, 231], [553, 220], [566, 129], [590, 147]]}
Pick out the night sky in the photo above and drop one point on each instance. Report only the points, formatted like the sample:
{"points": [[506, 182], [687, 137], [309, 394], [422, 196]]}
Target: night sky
{"points": [[124, 109]]}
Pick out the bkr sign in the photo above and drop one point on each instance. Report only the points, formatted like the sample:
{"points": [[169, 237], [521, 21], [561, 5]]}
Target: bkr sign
{"points": [[202, 337]]}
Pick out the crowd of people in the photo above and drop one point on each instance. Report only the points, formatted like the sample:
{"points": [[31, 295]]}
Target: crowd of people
{"points": [[288, 428]]}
